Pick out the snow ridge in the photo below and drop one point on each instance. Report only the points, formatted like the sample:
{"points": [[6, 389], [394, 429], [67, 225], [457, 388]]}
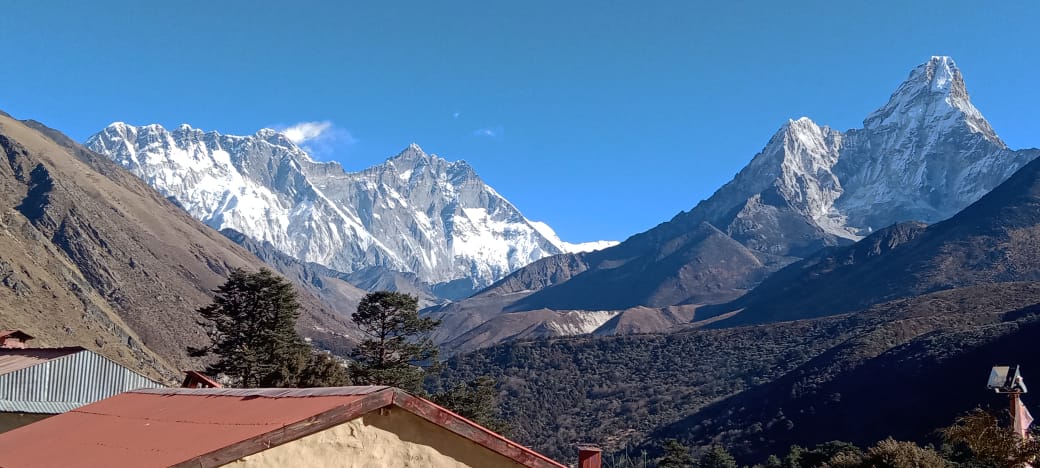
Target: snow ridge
{"points": [[568, 247], [414, 213]]}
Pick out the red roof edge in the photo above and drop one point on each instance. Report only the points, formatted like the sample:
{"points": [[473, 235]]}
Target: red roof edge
{"points": [[291, 432], [420, 407]]}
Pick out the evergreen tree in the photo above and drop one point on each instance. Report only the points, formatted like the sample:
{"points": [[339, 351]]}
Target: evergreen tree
{"points": [[476, 400], [794, 457], [717, 457], [323, 370], [251, 324], [397, 349], [676, 455], [822, 454], [890, 453], [990, 442]]}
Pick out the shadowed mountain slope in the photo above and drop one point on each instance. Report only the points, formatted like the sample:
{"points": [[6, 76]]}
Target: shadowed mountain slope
{"points": [[904, 377], [917, 361], [996, 239]]}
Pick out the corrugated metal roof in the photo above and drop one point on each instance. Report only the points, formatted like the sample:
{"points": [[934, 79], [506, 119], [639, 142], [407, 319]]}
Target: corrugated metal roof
{"points": [[20, 358], [65, 376], [40, 407]]}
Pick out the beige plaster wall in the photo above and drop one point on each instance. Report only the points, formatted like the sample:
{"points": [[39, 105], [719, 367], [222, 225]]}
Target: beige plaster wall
{"points": [[395, 438]]}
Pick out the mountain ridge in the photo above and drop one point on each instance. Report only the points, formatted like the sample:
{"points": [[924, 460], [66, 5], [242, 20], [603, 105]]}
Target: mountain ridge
{"points": [[413, 213], [991, 240], [923, 156]]}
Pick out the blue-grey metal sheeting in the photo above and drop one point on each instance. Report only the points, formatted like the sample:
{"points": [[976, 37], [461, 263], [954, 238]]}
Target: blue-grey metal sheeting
{"points": [[39, 407], [67, 382]]}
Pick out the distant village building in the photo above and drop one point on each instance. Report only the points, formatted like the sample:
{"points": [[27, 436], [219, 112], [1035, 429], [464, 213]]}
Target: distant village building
{"points": [[10, 339], [36, 383], [195, 379], [204, 427]]}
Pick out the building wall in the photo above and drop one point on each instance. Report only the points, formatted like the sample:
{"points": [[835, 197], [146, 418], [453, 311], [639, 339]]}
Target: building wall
{"points": [[9, 421], [395, 438]]}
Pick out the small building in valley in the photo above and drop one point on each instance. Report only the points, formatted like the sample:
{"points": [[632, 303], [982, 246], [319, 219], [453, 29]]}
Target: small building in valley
{"points": [[14, 339], [196, 379], [36, 383], [204, 427]]}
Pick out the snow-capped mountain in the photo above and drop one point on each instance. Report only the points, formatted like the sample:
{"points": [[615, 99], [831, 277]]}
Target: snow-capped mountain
{"points": [[415, 213], [923, 156]]}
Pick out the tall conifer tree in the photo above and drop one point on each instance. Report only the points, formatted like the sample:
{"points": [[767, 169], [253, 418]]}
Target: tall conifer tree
{"points": [[251, 323], [397, 349]]}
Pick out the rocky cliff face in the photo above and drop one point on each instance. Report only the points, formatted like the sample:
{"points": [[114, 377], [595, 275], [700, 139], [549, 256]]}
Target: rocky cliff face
{"points": [[924, 155], [415, 213]]}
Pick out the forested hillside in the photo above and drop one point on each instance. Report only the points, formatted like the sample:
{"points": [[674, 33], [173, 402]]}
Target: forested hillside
{"points": [[761, 388]]}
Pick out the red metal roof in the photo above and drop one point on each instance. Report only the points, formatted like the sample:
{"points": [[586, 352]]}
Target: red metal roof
{"points": [[196, 379], [214, 426], [19, 358]]}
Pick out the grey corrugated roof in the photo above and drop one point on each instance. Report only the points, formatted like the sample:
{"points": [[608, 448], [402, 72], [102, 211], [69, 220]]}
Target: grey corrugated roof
{"points": [[267, 392], [65, 377], [39, 407]]}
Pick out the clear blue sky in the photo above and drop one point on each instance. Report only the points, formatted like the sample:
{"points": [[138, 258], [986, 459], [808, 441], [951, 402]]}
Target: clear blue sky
{"points": [[601, 118]]}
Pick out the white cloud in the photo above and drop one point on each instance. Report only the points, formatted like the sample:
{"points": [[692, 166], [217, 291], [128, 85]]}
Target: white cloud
{"points": [[490, 132], [304, 131], [321, 139]]}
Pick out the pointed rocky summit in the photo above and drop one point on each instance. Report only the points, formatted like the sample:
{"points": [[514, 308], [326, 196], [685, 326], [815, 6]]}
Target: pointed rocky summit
{"points": [[934, 94]]}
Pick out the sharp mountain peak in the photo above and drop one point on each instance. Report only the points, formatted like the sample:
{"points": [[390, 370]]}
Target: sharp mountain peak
{"points": [[934, 95], [411, 154]]}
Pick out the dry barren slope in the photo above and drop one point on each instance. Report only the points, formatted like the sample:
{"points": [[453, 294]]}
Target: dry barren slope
{"points": [[91, 256]]}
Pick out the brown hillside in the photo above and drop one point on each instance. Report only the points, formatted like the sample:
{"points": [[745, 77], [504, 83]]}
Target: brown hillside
{"points": [[91, 256]]}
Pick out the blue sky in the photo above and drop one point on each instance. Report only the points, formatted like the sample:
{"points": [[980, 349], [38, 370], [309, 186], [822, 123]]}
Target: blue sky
{"points": [[601, 118]]}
